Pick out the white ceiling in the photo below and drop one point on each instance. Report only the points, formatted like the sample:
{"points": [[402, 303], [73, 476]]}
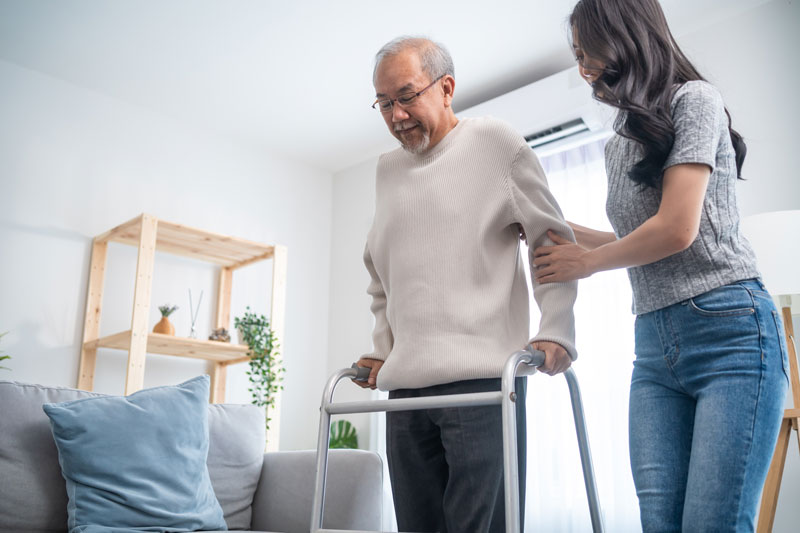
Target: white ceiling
{"points": [[294, 78]]}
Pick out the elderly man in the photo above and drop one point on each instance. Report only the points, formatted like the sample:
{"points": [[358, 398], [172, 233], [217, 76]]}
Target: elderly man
{"points": [[449, 291]]}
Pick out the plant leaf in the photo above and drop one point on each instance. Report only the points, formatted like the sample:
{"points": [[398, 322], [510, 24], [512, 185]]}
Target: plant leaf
{"points": [[343, 435]]}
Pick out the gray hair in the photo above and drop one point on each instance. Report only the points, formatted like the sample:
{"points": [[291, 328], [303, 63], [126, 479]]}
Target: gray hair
{"points": [[435, 58]]}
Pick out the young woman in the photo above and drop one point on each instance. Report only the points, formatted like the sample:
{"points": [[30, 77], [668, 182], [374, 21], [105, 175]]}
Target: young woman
{"points": [[710, 374]]}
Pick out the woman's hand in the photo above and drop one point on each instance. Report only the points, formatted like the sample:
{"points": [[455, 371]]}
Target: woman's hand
{"points": [[566, 261]]}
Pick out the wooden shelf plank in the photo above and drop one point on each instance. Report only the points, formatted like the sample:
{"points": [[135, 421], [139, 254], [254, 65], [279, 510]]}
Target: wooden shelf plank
{"points": [[157, 343], [202, 238], [135, 225], [244, 359], [200, 349], [195, 243]]}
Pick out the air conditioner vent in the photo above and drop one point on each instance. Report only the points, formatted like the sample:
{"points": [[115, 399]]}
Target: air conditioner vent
{"points": [[551, 113], [555, 133]]}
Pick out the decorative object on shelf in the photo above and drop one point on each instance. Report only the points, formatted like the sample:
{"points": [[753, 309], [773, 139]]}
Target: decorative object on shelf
{"points": [[220, 335], [164, 326], [343, 435], [265, 372], [4, 357], [194, 312], [778, 260]]}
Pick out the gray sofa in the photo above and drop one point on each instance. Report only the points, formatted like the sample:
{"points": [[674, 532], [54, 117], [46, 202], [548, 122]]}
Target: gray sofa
{"points": [[257, 491]]}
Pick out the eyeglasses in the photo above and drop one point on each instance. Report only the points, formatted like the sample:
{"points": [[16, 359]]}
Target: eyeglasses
{"points": [[385, 105]]}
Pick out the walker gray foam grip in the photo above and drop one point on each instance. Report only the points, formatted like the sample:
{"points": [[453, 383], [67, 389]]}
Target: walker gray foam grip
{"points": [[363, 372]]}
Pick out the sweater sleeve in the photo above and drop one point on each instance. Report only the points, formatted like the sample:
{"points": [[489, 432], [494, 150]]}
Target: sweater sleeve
{"points": [[535, 208], [382, 339]]}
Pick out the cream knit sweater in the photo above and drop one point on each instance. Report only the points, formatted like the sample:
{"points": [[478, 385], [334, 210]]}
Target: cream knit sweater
{"points": [[448, 287]]}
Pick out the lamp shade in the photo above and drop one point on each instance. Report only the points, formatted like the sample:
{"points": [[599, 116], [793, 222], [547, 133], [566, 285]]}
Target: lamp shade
{"points": [[774, 237]]}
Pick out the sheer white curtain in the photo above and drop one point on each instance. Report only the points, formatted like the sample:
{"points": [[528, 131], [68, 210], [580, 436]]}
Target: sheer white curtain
{"points": [[556, 497]]}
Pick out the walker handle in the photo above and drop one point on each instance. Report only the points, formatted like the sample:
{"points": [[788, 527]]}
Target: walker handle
{"points": [[537, 356], [362, 375]]}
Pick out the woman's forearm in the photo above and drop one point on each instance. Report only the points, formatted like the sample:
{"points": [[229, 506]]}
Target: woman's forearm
{"points": [[671, 230], [590, 238], [652, 241], [656, 239]]}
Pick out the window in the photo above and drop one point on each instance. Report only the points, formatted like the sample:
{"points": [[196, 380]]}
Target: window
{"points": [[555, 496]]}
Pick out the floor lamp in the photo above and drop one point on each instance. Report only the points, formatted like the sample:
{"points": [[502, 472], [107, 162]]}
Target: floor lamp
{"points": [[773, 236]]}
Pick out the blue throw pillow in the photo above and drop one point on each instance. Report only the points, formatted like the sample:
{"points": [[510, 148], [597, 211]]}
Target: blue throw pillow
{"points": [[137, 462]]}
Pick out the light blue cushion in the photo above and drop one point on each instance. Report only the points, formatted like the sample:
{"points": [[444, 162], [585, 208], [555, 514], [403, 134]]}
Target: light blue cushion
{"points": [[137, 462]]}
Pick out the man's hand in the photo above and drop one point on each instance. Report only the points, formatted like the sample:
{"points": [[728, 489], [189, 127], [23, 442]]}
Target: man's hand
{"points": [[375, 366], [556, 358]]}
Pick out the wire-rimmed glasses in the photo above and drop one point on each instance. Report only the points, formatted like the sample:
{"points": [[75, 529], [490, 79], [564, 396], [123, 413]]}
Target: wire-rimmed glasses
{"points": [[385, 105]]}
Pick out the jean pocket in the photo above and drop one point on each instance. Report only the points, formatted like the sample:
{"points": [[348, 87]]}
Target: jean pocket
{"points": [[729, 300], [782, 343]]}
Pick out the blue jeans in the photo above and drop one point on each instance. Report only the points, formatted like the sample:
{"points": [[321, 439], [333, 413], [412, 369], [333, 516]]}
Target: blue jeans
{"points": [[446, 465], [706, 402]]}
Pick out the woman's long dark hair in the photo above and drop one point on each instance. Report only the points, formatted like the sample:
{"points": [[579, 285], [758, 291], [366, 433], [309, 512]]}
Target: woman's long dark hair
{"points": [[644, 66]]}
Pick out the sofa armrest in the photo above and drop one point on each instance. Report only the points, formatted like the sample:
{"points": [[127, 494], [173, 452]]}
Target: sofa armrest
{"points": [[285, 492]]}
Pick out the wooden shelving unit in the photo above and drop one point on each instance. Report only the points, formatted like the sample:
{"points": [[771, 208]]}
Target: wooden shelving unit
{"points": [[149, 234]]}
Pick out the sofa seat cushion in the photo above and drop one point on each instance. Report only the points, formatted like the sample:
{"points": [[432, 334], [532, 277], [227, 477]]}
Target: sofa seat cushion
{"points": [[137, 462]]}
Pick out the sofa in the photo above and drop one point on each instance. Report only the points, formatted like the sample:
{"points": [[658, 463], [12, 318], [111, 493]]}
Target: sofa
{"points": [[257, 491]]}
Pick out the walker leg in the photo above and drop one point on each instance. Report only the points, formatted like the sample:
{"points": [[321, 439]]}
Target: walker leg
{"points": [[583, 446], [510, 462], [324, 433], [322, 469]]}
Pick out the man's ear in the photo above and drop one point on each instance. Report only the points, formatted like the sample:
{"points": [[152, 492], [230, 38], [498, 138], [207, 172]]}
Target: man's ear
{"points": [[448, 89]]}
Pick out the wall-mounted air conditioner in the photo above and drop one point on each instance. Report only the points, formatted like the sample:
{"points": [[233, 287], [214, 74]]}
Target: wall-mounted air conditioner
{"points": [[553, 114]]}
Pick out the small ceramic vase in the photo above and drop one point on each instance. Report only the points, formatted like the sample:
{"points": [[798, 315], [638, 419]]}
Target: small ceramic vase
{"points": [[164, 326]]}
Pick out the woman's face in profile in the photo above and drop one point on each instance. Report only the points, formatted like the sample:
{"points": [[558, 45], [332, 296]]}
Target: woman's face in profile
{"points": [[589, 68]]}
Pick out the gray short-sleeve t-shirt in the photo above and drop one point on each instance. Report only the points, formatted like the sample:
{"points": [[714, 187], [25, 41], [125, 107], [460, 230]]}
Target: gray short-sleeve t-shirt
{"points": [[720, 254]]}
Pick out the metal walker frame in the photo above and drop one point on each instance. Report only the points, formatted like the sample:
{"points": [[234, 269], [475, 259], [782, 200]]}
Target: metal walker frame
{"points": [[506, 398]]}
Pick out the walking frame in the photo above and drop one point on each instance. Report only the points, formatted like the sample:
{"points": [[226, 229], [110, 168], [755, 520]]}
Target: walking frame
{"points": [[506, 398]]}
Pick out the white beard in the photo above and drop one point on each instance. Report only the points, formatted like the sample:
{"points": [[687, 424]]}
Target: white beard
{"points": [[420, 147]]}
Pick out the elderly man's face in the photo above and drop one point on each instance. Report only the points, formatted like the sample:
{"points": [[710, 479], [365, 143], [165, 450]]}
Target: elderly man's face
{"points": [[424, 123]]}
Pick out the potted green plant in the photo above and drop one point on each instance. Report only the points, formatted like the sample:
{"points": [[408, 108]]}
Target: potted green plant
{"points": [[164, 325], [265, 373], [4, 357]]}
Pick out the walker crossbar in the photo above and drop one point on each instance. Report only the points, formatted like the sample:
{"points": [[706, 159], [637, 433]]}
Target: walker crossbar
{"points": [[506, 398]]}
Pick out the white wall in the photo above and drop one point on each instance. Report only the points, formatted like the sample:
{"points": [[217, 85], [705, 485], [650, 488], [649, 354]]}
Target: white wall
{"points": [[74, 163], [751, 57], [350, 319]]}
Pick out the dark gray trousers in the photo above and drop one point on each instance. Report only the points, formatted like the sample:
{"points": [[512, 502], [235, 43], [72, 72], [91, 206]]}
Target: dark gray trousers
{"points": [[446, 465]]}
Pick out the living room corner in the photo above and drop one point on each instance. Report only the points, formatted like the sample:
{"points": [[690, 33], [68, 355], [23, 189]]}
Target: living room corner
{"points": [[251, 121], [77, 163]]}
